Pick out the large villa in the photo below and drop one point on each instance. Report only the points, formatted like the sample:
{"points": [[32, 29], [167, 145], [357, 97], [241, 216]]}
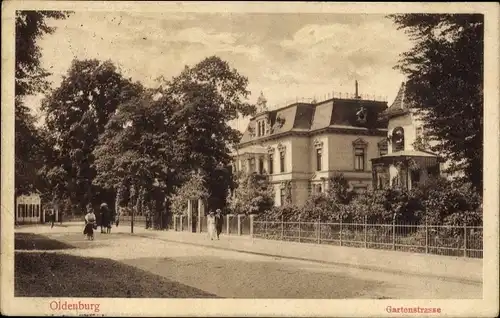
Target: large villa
{"points": [[300, 146]]}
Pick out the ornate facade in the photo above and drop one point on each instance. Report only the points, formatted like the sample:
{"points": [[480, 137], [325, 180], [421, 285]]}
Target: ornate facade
{"points": [[405, 162], [302, 145]]}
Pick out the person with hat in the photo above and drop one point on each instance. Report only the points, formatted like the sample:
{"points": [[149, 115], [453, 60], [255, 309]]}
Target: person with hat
{"points": [[218, 222]]}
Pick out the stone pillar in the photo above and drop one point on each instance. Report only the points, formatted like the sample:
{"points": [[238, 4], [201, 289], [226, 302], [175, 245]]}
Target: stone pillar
{"points": [[239, 224], [190, 215], [251, 224], [175, 222], [228, 219], [201, 207], [199, 214], [181, 217]]}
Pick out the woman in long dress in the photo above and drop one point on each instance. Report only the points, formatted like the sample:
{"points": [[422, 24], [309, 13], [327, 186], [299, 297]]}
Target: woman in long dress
{"points": [[89, 223], [211, 225]]}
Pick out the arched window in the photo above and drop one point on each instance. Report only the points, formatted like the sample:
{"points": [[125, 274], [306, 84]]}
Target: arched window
{"points": [[398, 139]]}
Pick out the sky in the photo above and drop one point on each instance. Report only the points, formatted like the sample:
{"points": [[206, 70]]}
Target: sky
{"points": [[286, 56]]}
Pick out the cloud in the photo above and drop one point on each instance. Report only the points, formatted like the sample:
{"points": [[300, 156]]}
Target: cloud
{"points": [[283, 55]]}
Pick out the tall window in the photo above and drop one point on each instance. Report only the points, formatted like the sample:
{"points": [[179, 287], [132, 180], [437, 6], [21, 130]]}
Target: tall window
{"points": [[319, 189], [261, 128], [251, 164], [420, 132], [282, 161], [318, 159], [398, 139], [382, 148], [261, 165], [270, 163], [359, 159]]}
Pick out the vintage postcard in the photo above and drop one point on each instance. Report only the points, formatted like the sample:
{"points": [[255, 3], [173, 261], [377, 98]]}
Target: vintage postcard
{"points": [[250, 159]]}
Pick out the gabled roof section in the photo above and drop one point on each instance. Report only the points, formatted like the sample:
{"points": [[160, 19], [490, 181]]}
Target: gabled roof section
{"points": [[398, 107]]}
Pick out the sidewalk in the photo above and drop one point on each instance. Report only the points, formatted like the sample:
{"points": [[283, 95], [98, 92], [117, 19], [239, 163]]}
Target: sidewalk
{"points": [[445, 267]]}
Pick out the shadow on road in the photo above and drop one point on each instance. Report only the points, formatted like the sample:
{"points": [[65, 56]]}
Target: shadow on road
{"points": [[30, 241], [41, 274]]}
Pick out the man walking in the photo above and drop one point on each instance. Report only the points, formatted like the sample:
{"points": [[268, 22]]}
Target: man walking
{"points": [[218, 222], [52, 218]]}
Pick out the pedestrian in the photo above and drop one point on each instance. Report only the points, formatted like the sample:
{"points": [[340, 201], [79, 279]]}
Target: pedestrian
{"points": [[90, 225], [104, 217], [211, 225], [52, 218], [218, 222], [117, 216], [148, 219]]}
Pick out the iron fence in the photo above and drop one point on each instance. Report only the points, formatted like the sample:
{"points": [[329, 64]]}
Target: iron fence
{"points": [[463, 241]]}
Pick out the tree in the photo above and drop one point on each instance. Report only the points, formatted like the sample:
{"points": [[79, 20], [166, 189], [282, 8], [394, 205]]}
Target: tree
{"points": [[30, 78], [209, 95], [445, 84], [193, 189], [76, 114], [137, 149], [254, 195]]}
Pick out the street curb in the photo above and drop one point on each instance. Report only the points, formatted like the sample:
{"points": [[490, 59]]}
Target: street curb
{"points": [[363, 267]]}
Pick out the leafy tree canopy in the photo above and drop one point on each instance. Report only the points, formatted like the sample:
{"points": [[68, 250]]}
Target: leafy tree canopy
{"points": [[30, 78], [254, 194], [76, 114], [445, 84]]}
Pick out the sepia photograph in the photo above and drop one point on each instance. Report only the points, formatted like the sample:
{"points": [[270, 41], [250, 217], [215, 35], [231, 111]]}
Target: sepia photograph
{"points": [[278, 154]]}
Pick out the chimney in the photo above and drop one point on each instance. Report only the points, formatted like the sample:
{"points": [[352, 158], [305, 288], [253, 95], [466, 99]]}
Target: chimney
{"points": [[356, 93]]}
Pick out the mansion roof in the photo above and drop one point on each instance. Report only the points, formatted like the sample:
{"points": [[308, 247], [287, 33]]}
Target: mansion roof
{"points": [[352, 114]]}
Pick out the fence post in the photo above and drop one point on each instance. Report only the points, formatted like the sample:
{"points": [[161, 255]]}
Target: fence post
{"points": [[228, 219], [265, 227], [181, 217], [251, 225], [175, 222], [299, 229], [426, 237], [394, 232], [465, 240], [340, 231], [282, 228], [319, 230], [366, 241], [239, 224]]}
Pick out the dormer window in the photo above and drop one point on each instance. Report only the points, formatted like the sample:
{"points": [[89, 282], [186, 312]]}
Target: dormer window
{"points": [[261, 128]]}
